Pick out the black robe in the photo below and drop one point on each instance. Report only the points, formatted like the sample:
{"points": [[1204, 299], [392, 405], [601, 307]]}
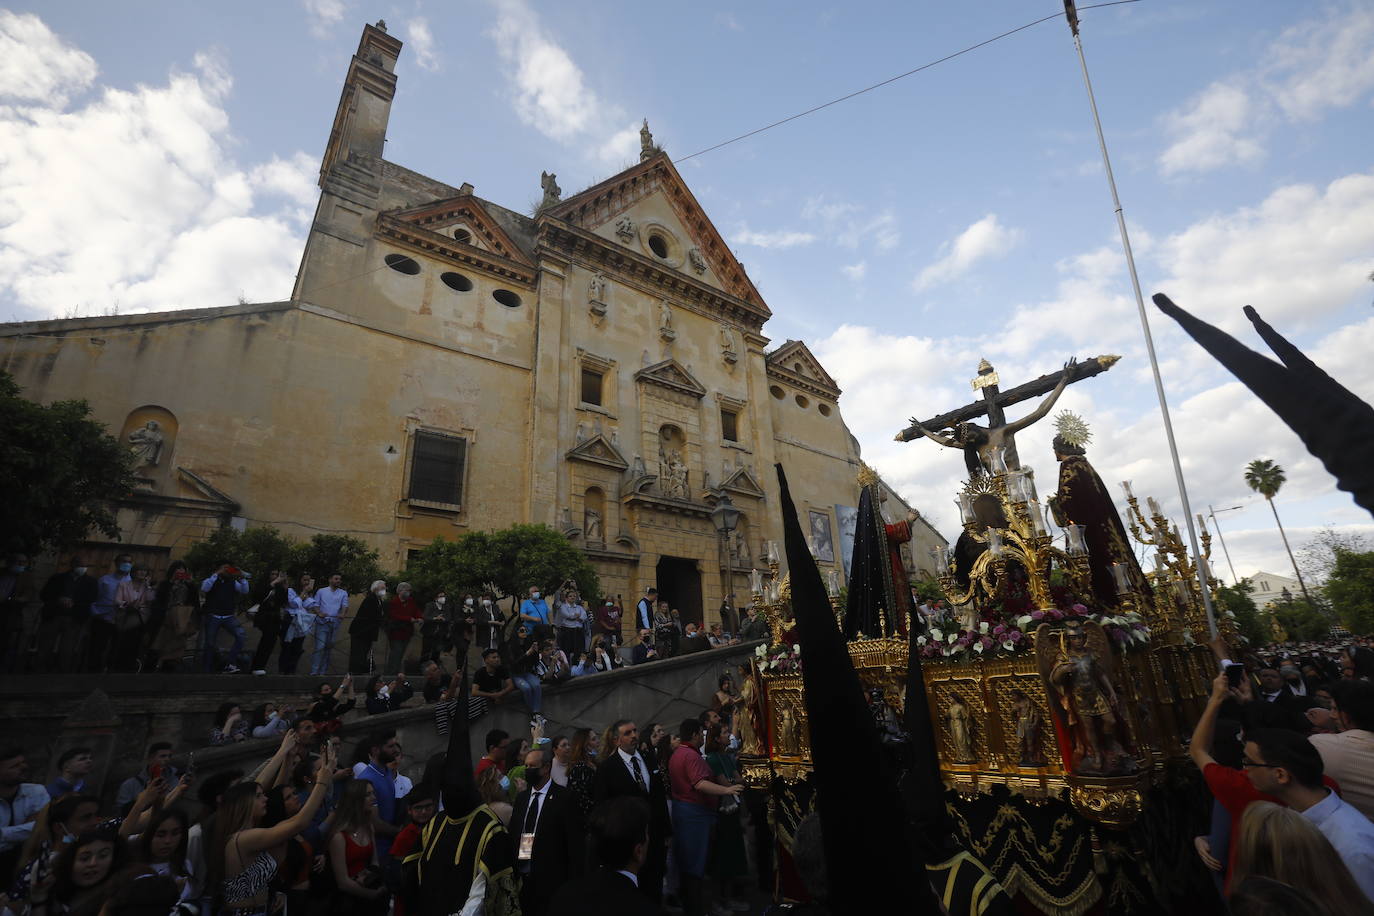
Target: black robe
{"points": [[1082, 499]]}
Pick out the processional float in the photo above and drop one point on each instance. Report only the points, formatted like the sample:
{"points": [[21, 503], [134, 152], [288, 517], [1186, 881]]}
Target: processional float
{"points": [[1061, 682]]}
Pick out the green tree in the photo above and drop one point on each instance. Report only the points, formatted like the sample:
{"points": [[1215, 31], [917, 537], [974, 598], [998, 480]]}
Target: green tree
{"points": [[508, 561], [1267, 478], [350, 557], [1251, 624], [261, 549], [1350, 588], [60, 473], [1300, 619]]}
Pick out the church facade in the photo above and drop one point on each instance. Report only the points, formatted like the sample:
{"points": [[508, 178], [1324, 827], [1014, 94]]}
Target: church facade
{"points": [[445, 364]]}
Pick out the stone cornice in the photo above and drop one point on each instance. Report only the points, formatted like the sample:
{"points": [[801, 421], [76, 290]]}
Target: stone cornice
{"points": [[433, 244], [649, 275]]}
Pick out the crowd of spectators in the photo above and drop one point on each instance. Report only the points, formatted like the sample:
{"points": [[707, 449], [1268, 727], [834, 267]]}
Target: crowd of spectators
{"points": [[638, 819], [1286, 746], [125, 621]]}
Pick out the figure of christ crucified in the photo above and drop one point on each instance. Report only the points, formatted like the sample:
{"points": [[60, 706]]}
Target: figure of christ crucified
{"points": [[977, 442]]}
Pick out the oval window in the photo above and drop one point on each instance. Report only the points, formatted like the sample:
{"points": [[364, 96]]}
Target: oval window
{"points": [[402, 264], [777, 392], [802, 401], [824, 409], [658, 245], [456, 282], [507, 298], [462, 235]]}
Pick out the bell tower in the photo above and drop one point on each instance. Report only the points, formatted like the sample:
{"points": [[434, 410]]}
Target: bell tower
{"points": [[365, 105]]}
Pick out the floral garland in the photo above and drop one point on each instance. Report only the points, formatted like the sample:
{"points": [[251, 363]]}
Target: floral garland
{"points": [[947, 640], [779, 659]]}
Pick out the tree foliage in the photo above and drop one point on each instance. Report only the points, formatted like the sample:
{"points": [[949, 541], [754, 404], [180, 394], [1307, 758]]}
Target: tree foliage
{"points": [[1350, 589], [1265, 477], [1249, 621], [1317, 558], [262, 549], [60, 472], [1300, 619], [508, 561]]}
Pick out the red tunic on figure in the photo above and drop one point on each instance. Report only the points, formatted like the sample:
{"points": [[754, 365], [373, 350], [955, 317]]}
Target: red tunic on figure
{"points": [[898, 534]]}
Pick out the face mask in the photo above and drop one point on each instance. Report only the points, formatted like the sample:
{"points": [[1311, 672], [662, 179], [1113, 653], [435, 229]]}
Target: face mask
{"points": [[467, 602], [610, 604], [381, 593], [384, 691], [125, 567], [505, 783], [68, 838], [19, 567], [80, 570], [535, 596], [486, 603], [734, 743]]}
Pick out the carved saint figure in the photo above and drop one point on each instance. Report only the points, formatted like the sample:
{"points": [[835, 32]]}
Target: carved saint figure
{"points": [[677, 476], [665, 317], [552, 192], [977, 442], [596, 289], [745, 720], [960, 730], [646, 141], [1089, 704], [727, 338], [789, 743], [1027, 729], [146, 444], [591, 524], [742, 549]]}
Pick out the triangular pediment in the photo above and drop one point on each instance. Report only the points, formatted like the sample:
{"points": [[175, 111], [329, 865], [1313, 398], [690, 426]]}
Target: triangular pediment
{"points": [[598, 450], [460, 229], [653, 193], [794, 362], [670, 374], [743, 482]]}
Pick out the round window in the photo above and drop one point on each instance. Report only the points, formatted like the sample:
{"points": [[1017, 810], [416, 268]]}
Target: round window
{"points": [[802, 401], [462, 235], [658, 245], [824, 409], [507, 298], [456, 282], [777, 392], [402, 264]]}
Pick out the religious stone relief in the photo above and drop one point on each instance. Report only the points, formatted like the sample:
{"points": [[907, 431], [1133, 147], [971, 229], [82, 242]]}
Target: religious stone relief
{"points": [[696, 260], [625, 228], [146, 444], [591, 525]]}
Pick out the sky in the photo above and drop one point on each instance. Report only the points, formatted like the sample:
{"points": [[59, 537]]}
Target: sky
{"points": [[157, 156]]}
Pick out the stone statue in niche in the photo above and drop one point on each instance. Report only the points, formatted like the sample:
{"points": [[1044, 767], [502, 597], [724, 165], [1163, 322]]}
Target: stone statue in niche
{"points": [[742, 549], [581, 432], [552, 192], [665, 322], [591, 525], [727, 344], [673, 474], [146, 444], [960, 730], [625, 228], [596, 289], [696, 260]]}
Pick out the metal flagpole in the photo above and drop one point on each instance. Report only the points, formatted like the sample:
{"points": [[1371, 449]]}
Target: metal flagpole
{"points": [[1071, 14], [1212, 514]]}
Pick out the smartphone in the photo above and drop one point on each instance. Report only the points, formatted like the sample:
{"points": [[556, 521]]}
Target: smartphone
{"points": [[155, 772], [1234, 674]]}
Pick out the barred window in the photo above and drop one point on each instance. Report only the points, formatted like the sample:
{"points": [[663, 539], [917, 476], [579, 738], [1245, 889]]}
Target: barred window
{"points": [[436, 471], [729, 425]]}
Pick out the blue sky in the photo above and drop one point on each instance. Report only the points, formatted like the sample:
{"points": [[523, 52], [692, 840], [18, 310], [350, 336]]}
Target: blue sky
{"points": [[158, 156]]}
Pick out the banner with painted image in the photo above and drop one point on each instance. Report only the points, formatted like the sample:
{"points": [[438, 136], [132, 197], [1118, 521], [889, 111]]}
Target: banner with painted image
{"points": [[847, 517]]}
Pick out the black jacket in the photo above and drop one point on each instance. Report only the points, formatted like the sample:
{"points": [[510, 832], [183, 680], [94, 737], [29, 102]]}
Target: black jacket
{"points": [[367, 623], [560, 846], [613, 780], [603, 893]]}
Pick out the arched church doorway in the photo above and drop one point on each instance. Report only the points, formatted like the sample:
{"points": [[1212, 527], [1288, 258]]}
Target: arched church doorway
{"points": [[679, 584]]}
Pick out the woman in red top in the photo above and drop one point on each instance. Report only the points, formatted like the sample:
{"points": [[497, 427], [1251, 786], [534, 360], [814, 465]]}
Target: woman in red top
{"points": [[353, 853], [695, 794], [402, 613]]}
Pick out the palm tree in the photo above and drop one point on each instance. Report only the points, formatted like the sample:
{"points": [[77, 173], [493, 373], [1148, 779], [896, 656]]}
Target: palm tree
{"points": [[1266, 478]]}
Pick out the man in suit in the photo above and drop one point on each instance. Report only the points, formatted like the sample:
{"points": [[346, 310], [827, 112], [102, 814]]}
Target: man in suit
{"points": [[644, 650], [546, 830], [625, 773], [620, 840]]}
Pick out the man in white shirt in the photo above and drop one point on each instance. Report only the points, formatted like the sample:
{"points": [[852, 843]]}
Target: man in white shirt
{"points": [[1348, 757], [331, 605]]}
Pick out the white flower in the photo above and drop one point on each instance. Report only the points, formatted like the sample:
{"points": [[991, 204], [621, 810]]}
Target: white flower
{"points": [[1141, 636], [760, 651], [1023, 620], [1009, 646], [796, 648], [983, 627], [978, 647], [920, 640], [936, 635], [953, 638]]}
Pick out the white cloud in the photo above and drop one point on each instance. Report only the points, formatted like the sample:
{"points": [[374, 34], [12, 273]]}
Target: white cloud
{"points": [[855, 272], [324, 15], [850, 225], [133, 200], [551, 94], [421, 42], [1325, 62], [778, 239], [38, 66], [1211, 131], [728, 21], [987, 238]]}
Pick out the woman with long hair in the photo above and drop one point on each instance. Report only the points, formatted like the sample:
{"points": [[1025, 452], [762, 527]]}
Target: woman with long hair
{"points": [[1279, 843], [59, 823], [230, 725], [162, 847], [353, 852], [494, 788], [298, 622], [299, 862], [242, 857], [80, 881], [586, 744]]}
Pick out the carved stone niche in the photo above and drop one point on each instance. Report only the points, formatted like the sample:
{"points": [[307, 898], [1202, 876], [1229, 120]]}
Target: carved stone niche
{"points": [[150, 432], [596, 298]]}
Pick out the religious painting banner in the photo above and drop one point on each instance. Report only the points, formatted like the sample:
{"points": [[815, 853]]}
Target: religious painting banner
{"points": [[822, 545], [847, 518]]}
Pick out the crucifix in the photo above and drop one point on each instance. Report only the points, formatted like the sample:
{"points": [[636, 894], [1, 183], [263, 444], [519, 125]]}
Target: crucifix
{"points": [[977, 442]]}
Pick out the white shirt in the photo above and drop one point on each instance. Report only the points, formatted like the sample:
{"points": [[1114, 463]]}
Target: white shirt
{"points": [[332, 601], [536, 799], [643, 769], [1351, 833]]}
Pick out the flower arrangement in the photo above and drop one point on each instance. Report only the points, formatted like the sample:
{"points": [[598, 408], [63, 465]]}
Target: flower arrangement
{"points": [[783, 659], [948, 640], [960, 645]]}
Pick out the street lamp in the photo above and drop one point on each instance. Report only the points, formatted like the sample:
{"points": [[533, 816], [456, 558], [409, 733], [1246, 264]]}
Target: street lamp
{"points": [[1212, 514], [725, 517]]}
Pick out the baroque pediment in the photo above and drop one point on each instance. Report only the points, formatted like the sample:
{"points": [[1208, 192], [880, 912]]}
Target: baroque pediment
{"points": [[794, 362], [742, 482], [461, 230], [598, 450], [704, 256], [670, 374]]}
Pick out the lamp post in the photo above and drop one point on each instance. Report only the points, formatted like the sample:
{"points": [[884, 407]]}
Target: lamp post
{"points": [[1212, 514], [725, 517]]}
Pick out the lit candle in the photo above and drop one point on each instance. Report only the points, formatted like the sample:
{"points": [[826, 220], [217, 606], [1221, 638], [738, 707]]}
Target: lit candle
{"points": [[773, 552], [1074, 536], [941, 557], [966, 509], [1028, 482], [755, 582], [1123, 582], [1037, 522], [1154, 505], [1126, 487]]}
